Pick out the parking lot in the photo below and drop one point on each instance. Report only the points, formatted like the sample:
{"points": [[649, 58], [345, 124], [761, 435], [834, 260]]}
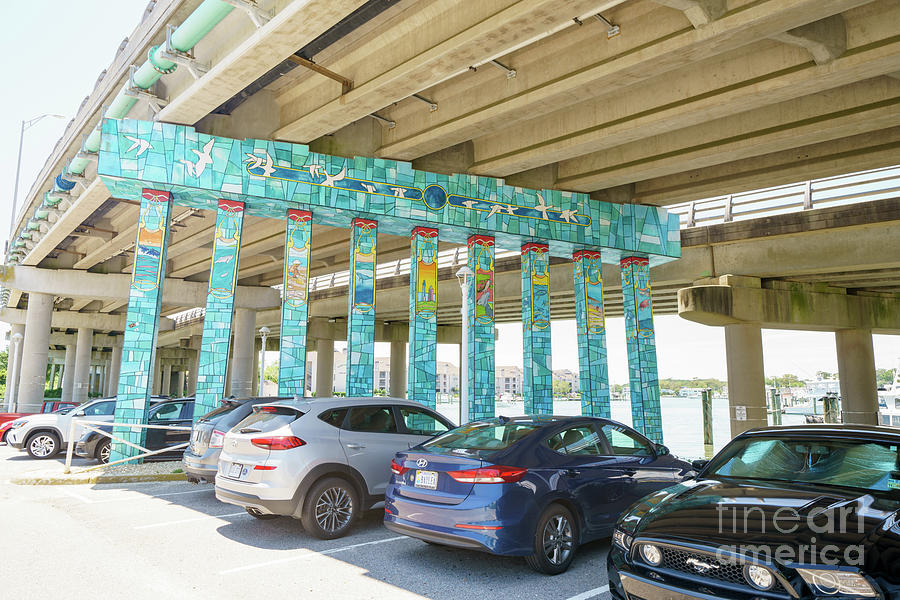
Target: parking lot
{"points": [[175, 540]]}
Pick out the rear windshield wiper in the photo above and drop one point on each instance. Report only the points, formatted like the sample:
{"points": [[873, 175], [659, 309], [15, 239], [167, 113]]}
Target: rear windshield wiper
{"points": [[251, 430]]}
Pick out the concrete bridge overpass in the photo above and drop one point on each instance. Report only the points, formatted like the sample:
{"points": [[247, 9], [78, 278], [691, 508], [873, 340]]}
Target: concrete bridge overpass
{"points": [[638, 101]]}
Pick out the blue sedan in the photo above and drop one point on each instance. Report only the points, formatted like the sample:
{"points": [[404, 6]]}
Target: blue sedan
{"points": [[533, 486]]}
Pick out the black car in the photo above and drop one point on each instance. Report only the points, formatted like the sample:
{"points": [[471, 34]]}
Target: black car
{"points": [[201, 457], [781, 512], [168, 412]]}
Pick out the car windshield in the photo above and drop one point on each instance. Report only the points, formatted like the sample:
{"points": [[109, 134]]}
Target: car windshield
{"points": [[858, 464], [226, 408], [493, 434]]}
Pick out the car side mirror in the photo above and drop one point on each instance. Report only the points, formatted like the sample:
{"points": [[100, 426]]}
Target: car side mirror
{"points": [[79, 413], [662, 450], [699, 464]]}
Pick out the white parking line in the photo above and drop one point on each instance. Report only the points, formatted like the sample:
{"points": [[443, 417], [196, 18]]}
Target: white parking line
{"points": [[311, 554], [203, 518], [77, 496], [590, 593], [140, 496]]}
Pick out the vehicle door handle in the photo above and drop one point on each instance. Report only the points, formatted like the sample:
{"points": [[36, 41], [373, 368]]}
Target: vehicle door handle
{"points": [[629, 472], [571, 472], [356, 446]]}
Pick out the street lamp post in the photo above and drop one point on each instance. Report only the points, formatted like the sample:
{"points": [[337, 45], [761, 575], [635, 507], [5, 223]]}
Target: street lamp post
{"points": [[25, 126], [464, 276], [263, 333], [12, 395]]}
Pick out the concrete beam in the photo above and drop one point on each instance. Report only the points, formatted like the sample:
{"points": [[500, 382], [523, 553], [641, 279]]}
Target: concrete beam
{"points": [[64, 319], [698, 12], [825, 40], [100, 340], [787, 305], [115, 286]]}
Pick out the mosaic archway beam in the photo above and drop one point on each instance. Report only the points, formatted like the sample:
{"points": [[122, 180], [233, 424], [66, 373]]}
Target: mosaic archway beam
{"points": [[591, 334], [537, 384], [274, 176], [142, 319], [641, 341], [361, 309], [480, 322], [422, 365], [213, 361], [295, 304]]}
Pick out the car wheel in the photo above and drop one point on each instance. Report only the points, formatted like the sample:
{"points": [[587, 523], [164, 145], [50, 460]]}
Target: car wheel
{"points": [[42, 445], [554, 541], [329, 508], [255, 512], [103, 450]]}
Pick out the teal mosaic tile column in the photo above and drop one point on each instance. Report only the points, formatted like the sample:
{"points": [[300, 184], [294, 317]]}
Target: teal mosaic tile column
{"points": [[213, 363], [142, 320], [361, 313], [591, 332], [295, 304], [641, 340], [480, 322], [538, 380], [422, 370]]}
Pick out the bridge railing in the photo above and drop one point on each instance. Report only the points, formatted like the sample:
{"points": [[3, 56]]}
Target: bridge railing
{"points": [[863, 186]]}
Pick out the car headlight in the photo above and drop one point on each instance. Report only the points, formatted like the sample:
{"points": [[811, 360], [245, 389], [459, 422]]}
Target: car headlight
{"points": [[651, 554], [17, 424], [832, 582], [622, 540], [759, 577]]}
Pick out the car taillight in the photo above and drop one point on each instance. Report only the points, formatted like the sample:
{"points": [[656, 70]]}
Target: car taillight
{"points": [[269, 409], [495, 474], [216, 439], [264, 468], [397, 468], [280, 442]]}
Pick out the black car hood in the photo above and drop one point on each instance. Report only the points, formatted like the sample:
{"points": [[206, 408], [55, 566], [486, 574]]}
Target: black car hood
{"points": [[728, 513]]}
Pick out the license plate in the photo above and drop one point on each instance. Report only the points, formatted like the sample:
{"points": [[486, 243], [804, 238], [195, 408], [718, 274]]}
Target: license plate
{"points": [[426, 480], [235, 470]]}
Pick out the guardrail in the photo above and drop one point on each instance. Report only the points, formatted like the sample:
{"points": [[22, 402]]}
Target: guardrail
{"points": [[144, 451]]}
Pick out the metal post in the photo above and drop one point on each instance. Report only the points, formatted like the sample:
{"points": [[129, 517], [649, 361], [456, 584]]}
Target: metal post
{"points": [[831, 409], [25, 125], [706, 398], [263, 333], [12, 399], [776, 408], [70, 446], [464, 276]]}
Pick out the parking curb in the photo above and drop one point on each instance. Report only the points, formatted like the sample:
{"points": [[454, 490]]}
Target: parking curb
{"points": [[77, 479]]}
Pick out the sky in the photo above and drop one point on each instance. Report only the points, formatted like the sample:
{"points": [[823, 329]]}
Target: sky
{"points": [[55, 51]]}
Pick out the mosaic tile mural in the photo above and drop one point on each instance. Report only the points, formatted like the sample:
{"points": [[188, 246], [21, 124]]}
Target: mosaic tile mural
{"points": [[537, 384], [641, 340], [271, 177], [361, 313], [422, 365], [142, 319], [213, 360], [480, 322], [591, 330], [295, 304]]}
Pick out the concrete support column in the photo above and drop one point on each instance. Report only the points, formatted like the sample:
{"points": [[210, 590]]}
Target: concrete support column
{"points": [[294, 305], [52, 376], [242, 360], [115, 366], [68, 380], [538, 380], [324, 368], [13, 368], [194, 344], [640, 338], [746, 378], [593, 370], [361, 308], [257, 382], [166, 387], [84, 341], [422, 371], [398, 370], [35, 347], [480, 331], [156, 386], [179, 385], [856, 367]]}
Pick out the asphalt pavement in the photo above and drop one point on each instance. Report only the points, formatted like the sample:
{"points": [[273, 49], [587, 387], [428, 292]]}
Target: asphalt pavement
{"points": [[175, 540]]}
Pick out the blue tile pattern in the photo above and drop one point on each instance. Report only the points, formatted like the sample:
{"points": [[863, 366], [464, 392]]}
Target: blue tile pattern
{"points": [[295, 304], [641, 340], [423, 286], [480, 323], [213, 360], [271, 177], [537, 384], [361, 309], [591, 333], [142, 319]]}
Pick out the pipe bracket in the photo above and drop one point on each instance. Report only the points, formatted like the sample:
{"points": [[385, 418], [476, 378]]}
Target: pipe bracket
{"points": [[185, 59], [131, 89], [251, 7]]}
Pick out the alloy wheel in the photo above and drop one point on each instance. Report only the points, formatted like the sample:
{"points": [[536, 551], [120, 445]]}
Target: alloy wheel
{"points": [[558, 540], [334, 508], [104, 453], [42, 445]]}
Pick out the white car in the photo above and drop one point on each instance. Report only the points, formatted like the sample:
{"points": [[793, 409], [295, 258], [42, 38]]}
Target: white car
{"points": [[45, 435]]}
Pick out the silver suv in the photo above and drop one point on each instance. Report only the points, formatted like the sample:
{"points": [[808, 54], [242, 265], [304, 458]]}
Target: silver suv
{"points": [[322, 460]]}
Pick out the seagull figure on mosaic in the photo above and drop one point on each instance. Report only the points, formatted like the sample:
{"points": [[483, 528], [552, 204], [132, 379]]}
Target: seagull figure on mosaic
{"points": [[543, 207], [257, 162], [141, 144], [399, 192], [369, 187], [203, 158], [330, 180], [501, 209], [568, 215]]}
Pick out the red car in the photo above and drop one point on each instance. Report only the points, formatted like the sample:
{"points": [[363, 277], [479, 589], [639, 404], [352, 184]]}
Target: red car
{"points": [[6, 419]]}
